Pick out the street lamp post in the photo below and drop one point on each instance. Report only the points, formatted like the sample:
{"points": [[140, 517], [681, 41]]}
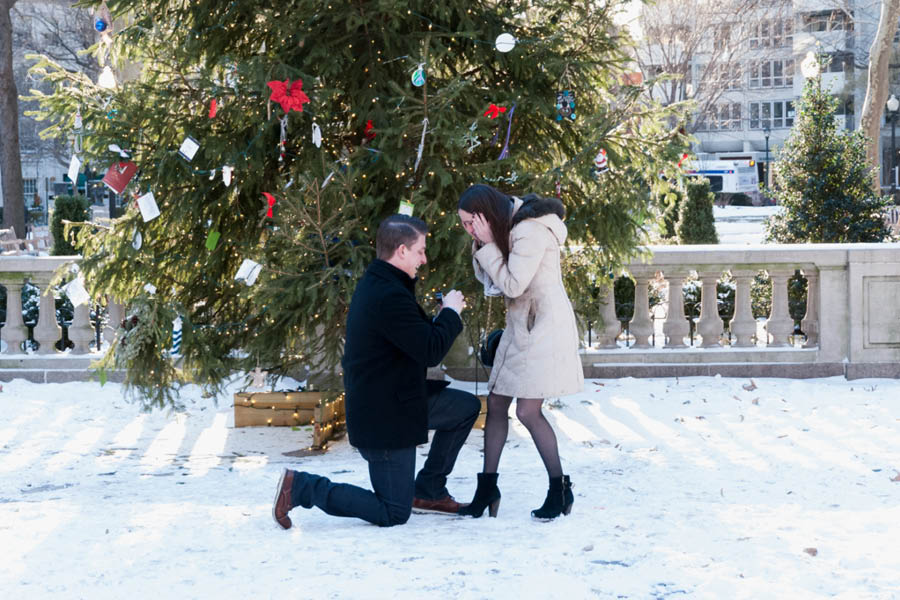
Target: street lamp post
{"points": [[766, 132], [893, 104]]}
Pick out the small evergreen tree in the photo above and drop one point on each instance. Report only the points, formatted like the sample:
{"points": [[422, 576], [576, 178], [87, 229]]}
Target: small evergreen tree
{"points": [[822, 179], [67, 208], [696, 223]]}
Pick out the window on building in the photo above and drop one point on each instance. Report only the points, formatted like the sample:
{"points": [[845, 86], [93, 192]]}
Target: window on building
{"points": [[771, 73], [827, 20], [725, 77], [772, 33], [724, 116], [774, 115], [29, 188], [840, 62]]}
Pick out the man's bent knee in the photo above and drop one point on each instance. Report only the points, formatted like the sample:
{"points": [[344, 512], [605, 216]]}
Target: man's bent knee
{"points": [[397, 516]]}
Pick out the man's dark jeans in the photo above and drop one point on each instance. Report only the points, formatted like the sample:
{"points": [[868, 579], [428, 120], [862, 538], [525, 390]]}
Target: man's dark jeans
{"points": [[451, 413]]}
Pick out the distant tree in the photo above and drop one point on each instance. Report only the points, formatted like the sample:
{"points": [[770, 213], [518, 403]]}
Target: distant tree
{"points": [[878, 83], [13, 191], [822, 178], [696, 223], [67, 208]]}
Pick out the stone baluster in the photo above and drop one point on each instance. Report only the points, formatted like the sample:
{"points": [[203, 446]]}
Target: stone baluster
{"points": [[80, 331], [14, 331], [641, 326], [610, 328], [710, 325], [115, 312], [676, 326], [780, 324], [47, 331], [743, 325], [810, 322]]}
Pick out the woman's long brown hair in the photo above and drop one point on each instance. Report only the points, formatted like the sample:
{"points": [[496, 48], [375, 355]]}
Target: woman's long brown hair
{"points": [[495, 206]]}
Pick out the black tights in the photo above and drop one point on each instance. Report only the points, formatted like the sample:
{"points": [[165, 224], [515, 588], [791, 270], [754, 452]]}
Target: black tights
{"points": [[528, 411]]}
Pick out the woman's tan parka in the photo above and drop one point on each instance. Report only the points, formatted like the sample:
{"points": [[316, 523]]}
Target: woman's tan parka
{"points": [[538, 352]]}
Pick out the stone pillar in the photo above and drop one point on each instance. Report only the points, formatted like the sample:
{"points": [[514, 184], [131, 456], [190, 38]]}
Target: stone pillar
{"points": [[641, 326], [610, 327], [115, 313], [47, 331], [676, 326], [710, 325], [780, 324], [80, 331], [743, 325], [13, 331], [810, 322]]}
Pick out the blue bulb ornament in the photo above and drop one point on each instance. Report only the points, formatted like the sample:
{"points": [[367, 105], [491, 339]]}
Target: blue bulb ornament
{"points": [[100, 25]]}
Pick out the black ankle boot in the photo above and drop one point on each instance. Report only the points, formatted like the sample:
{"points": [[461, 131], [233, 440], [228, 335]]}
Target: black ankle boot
{"points": [[487, 495], [559, 500]]}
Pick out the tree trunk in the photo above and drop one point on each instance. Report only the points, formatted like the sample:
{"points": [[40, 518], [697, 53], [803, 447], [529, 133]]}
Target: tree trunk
{"points": [[10, 160], [877, 87]]}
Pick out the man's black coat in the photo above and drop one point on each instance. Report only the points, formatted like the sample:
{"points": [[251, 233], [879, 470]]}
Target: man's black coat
{"points": [[390, 343]]}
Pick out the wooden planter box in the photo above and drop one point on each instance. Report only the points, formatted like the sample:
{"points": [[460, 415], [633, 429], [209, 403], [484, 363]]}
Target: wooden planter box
{"points": [[275, 409], [289, 409]]}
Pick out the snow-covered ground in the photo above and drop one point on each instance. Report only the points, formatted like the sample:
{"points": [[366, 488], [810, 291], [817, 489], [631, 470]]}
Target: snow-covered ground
{"points": [[694, 487], [742, 224]]}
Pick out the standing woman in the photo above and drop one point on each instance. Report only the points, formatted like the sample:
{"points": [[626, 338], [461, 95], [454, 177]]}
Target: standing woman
{"points": [[516, 253]]}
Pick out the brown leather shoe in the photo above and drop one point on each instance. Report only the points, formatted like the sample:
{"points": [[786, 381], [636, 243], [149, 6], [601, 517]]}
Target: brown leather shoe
{"points": [[282, 505], [446, 505]]}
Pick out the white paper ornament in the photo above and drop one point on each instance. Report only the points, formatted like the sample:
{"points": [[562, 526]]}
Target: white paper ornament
{"points": [[505, 42], [317, 135], [226, 175], [78, 121], [189, 148], [147, 204], [137, 240], [212, 174], [76, 293], [74, 168], [150, 288], [248, 272]]}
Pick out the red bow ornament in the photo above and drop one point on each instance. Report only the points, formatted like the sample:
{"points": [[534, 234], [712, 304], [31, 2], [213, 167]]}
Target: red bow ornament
{"points": [[494, 111], [289, 95], [271, 200]]}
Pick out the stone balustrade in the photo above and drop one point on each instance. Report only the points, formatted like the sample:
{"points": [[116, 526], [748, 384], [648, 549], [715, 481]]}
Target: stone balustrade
{"points": [[15, 272], [851, 324]]}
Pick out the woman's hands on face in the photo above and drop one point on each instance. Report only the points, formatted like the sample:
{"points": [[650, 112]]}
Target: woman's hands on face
{"points": [[482, 229]]}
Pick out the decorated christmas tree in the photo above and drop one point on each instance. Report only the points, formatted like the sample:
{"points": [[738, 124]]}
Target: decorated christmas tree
{"points": [[822, 179], [267, 140]]}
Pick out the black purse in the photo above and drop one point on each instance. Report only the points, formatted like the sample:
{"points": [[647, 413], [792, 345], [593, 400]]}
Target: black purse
{"points": [[489, 347]]}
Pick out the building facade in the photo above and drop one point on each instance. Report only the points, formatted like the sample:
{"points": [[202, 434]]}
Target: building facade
{"points": [[745, 72]]}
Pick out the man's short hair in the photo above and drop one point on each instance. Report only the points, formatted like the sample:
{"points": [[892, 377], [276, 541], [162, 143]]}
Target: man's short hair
{"points": [[397, 230]]}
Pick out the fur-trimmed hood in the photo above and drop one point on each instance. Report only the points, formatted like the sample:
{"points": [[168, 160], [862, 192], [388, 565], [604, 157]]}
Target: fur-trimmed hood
{"points": [[535, 207]]}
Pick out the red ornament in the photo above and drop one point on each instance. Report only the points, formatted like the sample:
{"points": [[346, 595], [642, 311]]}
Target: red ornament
{"points": [[271, 199], [118, 175], [494, 111], [289, 95], [213, 107], [370, 130], [683, 158]]}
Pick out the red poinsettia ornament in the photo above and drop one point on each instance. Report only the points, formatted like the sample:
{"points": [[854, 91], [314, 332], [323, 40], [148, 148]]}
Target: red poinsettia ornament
{"points": [[289, 95]]}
